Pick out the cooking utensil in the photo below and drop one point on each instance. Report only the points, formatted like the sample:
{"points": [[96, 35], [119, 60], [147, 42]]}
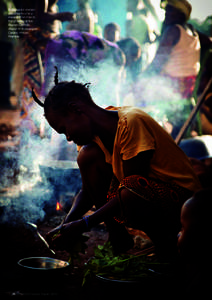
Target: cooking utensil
{"points": [[42, 263], [40, 236]]}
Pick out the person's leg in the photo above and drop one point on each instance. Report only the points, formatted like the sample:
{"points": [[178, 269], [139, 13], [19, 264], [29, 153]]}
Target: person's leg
{"points": [[155, 209], [143, 215]]}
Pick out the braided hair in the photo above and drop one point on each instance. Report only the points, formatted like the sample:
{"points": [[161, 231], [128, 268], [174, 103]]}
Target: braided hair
{"points": [[63, 93]]}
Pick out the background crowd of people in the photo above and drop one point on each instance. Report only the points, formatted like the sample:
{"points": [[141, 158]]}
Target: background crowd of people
{"points": [[158, 59]]}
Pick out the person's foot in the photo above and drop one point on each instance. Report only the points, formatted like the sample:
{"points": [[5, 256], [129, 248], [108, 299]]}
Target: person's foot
{"points": [[121, 240]]}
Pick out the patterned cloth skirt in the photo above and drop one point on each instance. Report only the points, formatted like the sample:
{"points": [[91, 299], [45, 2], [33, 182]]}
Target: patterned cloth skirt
{"points": [[167, 197], [183, 85]]}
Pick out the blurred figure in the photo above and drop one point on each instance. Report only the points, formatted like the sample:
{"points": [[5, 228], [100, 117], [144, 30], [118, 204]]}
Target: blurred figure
{"points": [[132, 51], [206, 107], [85, 18], [137, 26], [199, 151], [97, 28], [142, 25], [172, 75], [112, 32], [82, 56], [45, 26], [205, 26], [178, 54], [194, 244], [6, 54]]}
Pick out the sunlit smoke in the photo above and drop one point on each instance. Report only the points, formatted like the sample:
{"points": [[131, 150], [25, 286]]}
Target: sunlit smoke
{"points": [[104, 77], [159, 97]]}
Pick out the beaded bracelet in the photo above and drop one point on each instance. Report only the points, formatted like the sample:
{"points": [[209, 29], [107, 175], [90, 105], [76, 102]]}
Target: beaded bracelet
{"points": [[86, 219]]}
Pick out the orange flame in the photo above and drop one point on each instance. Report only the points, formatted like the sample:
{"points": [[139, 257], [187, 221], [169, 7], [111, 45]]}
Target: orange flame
{"points": [[58, 206]]}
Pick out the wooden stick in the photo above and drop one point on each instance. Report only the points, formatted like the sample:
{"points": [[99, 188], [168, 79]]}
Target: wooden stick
{"points": [[192, 114]]}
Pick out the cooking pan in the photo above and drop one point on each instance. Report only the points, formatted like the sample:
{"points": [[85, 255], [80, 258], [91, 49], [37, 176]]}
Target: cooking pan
{"points": [[43, 263]]}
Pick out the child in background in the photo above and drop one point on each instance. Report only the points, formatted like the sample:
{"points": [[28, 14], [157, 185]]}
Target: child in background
{"points": [[194, 243]]}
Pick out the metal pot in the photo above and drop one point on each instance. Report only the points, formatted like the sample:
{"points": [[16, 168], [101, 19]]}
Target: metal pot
{"points": [[48, 275], [62, 175]]}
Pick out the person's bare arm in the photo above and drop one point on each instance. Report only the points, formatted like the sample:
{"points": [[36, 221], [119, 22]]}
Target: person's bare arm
{"points": [[169, 39], [42, 13], [138, 165]]}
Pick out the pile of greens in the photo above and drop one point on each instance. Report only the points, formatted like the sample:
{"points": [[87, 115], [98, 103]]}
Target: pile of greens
{"points": [[123, 267]]}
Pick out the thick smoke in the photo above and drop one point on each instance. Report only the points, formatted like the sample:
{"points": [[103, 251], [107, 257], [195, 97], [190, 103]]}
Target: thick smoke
{"points": [[104, 76], [158, 96], [34, 191], [31, 181]]}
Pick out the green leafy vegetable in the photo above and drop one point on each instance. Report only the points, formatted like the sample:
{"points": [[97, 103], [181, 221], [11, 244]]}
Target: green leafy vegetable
{"points": [[122, 267]]}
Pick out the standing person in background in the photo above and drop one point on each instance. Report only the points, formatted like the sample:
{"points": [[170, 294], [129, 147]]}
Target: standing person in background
{"points": [[45, 26], [174, 69], [142, 26], [132, 51], [137, 26], [6, 54], [112, 32], [85, 18], [178, 54]]}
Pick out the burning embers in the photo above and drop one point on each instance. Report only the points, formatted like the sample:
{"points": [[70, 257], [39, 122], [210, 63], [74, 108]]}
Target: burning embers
{"points": [[59, 206]]}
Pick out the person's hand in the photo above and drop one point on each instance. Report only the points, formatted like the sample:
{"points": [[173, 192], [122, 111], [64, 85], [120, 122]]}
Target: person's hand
{"points": [[63, 238], [53, 233], [67, 16]]}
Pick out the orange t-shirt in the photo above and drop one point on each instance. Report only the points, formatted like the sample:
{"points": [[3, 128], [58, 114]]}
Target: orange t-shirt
{"points": [[137, 132]]}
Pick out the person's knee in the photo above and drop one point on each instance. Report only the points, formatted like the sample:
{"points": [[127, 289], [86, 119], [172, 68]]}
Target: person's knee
{"points": [[125, 195], [126, 201], [136, 208], [92, 157], [88, 155]]}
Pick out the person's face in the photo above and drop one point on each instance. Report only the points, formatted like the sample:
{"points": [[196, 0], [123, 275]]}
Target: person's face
{"points": [[112, 35], [76, 126]]}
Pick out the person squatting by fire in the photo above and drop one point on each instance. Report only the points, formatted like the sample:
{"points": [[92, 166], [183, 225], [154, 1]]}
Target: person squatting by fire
{"points": [[131, 169]]}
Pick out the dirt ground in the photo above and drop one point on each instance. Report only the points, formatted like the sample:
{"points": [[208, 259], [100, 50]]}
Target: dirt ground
{"points": [[20, 241]]}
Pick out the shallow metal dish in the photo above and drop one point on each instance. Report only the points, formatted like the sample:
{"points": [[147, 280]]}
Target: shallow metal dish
{"points": [[42, 263], [110, 279]]}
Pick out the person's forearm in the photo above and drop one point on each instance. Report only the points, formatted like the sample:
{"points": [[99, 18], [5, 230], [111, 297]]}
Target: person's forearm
{"points": [[49, 17], [80, 206], [107, 211]]}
